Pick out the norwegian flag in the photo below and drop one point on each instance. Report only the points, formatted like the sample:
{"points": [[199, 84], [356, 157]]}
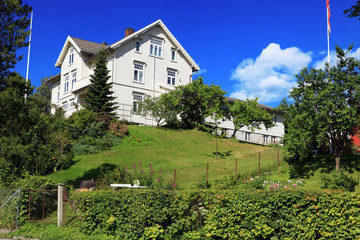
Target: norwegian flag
{"points": [[328, 16]]}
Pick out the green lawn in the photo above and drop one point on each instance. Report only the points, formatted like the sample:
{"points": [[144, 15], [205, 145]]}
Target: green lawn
{"points": [[187, 151]]}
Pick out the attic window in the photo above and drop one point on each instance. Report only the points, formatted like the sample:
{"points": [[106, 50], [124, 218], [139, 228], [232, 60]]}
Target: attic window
{"points": [[138, 46], [156, 47], [71, 55]]}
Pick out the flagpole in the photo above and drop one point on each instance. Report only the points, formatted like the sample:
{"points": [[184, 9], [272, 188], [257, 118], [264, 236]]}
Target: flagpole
{"points": [[328, 28], [28, 59]]}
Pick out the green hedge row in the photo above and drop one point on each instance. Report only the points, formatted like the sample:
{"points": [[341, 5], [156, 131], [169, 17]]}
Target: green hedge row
{"points": [[197, 214]]}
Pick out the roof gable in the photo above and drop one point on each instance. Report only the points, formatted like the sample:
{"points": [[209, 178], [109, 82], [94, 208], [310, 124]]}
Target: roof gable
{"points": [[80, 45], [159, 23]]}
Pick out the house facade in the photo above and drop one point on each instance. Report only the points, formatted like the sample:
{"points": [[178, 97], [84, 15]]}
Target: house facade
{"points": [[149, 61]]}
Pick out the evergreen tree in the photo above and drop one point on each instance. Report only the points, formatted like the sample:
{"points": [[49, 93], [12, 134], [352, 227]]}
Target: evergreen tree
{"points": [[14, 22], [99, 97], [353, 11]]}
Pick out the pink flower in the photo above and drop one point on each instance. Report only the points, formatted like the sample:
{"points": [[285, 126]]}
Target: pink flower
{"points": [[294, 185], [286, 186]]}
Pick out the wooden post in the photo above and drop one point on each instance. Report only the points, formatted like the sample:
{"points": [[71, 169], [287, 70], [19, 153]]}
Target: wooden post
{"points": [[174, 178], [207, 173], [278, 159], [259, 164], [60, 204], [236, 169]]}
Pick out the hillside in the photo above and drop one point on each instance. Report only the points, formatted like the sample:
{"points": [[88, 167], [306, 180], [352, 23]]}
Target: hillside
{"points": [[187, 151]]}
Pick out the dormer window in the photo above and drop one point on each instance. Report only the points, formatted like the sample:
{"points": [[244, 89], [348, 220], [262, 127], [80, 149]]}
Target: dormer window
{"points": [[156, 47], [71, 55]]}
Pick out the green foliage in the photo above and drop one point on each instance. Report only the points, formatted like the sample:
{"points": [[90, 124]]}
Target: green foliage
{"points": [[13, 24], [282, 214], [353, 11], [249, 114], [325, 109], [98, 96], [42, 96], [203, 184], [339, 180], [196, 101], [162, 109]]}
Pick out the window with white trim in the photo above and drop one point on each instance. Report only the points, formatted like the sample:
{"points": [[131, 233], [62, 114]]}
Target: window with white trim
{"points": [[274, 119], [138, 46], [58, 93], [273, 139], [156, 47], [266, 138], [73, 79], [171, 77], [65, 106], [136, 98], [72, 104], [66, 83], [173, 55], [71, 55], [138, 72], [247, 136]]}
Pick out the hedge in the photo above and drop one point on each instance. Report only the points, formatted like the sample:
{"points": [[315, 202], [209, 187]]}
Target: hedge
{"points": [[210, 214]]}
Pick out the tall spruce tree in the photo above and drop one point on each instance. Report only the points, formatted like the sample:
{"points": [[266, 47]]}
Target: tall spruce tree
{"points": [[14, 22], [99, 97]]}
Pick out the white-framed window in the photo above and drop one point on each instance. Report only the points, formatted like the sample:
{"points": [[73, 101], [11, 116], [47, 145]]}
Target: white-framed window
{"points": [[136, 98], [71, 55], [173, 55], [273, 139], [66, 83], [73, 79], [65, 105], [266, 138], [274, 119], [171, 77], [138, 46], [139, 72], [58, 93], [72, 104], [247, 136], [156, 47]]}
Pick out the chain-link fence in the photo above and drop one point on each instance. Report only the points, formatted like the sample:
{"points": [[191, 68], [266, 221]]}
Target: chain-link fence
{"points": [[9, 207]]}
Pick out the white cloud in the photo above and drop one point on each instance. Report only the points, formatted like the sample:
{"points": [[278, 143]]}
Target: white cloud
{"points": [[333, 59], [201, 71], [270, 75]]}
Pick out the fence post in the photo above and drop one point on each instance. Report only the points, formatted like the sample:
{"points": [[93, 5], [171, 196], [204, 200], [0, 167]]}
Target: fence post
{"points": [[207, 173], [60, 204], [278, 159], [236, 169], [174, 178], [18, 209], [259, 164]]}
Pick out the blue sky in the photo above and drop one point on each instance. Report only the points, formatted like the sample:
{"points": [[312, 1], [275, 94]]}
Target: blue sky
{"points": [[249, 48]]}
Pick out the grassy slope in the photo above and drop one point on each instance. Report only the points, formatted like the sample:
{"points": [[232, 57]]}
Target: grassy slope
{"points": [[186, 150]]}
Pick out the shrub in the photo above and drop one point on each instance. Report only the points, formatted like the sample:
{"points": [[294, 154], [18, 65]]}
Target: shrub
{"points": [[118, 129], [339, 180]]}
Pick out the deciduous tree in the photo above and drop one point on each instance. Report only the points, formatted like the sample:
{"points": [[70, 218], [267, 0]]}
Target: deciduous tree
{"points": [[353, 11], [326, 107], [249, 114]]}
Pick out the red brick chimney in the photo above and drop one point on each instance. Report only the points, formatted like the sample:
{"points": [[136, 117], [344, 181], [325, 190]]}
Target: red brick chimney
{"points": [[129, 31]]}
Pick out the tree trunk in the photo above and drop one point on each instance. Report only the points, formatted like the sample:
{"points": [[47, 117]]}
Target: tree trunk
{"points": [[337, 162], [234, 133]]}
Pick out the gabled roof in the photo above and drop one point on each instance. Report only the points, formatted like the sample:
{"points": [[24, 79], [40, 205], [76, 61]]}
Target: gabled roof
{"points": [[159, 23], [80, 45]]}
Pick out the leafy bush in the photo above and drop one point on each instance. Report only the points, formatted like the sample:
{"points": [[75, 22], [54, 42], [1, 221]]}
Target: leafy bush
{"points": [[339, 180], [216, 214], [203, 184], [118, 129]]}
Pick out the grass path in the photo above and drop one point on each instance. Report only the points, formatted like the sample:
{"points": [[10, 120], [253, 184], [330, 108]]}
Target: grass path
{"points": [[186, 150]]}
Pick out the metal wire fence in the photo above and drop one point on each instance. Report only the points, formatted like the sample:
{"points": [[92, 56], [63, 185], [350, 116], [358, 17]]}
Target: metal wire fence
{"points": [[9, 207]]}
